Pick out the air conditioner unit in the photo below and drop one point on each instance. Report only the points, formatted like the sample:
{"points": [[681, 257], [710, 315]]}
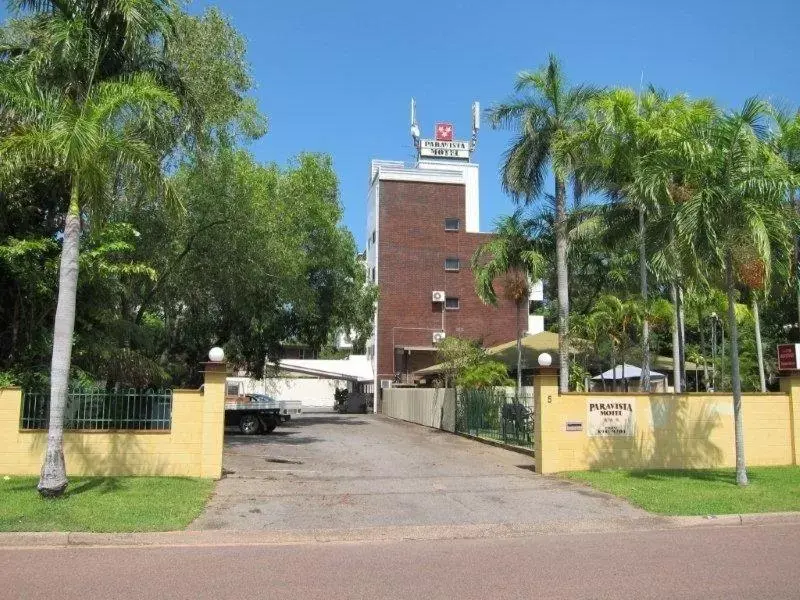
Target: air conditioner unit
{"points": [[386, 384], [437, 296], [438, 336]]}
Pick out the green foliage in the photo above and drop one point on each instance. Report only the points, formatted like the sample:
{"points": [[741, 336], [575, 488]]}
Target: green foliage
{"points": [[131, 110], [510, 254], [484, 374], [457, 355], [136, 504], [701, 492], [466, 364], [8, 379], [209, 58], [577, 376]]}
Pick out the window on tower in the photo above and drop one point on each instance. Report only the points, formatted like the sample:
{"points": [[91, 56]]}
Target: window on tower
{"points": [[452, 224], [452, 264]]}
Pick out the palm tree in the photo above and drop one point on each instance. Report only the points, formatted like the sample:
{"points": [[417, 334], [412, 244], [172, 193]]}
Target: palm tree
{"points": [[545, 111], [510, 254], [701, 303], [786, 141], [624, 128], [733, 216], [615, 317], [91, 140]]}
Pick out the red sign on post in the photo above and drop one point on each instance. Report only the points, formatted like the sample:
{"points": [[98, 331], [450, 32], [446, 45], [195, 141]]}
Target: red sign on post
{"points": [[787, 357], [444, 132]]}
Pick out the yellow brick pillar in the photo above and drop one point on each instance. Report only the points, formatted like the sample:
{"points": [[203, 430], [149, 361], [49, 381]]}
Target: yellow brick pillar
{"points": [[545, 395], [213, 419], [791, 385]]}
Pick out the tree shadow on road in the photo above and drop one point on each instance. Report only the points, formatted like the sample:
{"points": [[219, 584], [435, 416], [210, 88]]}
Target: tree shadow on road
{"points": [[236, 439], [324, 419]]}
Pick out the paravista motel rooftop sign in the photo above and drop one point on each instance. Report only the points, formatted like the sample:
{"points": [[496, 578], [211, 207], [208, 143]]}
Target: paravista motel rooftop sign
{"points": [[444, 146]]}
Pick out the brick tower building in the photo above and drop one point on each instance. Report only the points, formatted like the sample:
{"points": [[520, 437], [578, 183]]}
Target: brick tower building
{"points": [[422, 229]]}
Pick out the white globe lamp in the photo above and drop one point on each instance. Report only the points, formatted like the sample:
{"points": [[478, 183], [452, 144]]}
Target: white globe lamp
{"points": [[545, 360], [216, 354]]}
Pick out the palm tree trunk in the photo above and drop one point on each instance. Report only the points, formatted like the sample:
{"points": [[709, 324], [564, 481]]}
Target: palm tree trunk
{"points": [[682, 338], [613, 371], [676, 355], [736, 381], [519, 355], [53, 480], [703, 350], [759, 347], [624, 382], [563, 284], [645, 381]]}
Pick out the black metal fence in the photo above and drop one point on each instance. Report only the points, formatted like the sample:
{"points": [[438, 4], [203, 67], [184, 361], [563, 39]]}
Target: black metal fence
{"points": [[102, 410], [495, 414]]}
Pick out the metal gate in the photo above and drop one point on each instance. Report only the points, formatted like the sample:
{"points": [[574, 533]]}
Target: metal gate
{"points": [[496, 414]]}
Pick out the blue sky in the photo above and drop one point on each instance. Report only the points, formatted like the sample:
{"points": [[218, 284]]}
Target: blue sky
{"points": [[336, 77]]}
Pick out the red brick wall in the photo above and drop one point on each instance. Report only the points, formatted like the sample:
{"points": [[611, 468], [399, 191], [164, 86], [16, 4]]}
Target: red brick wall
{"points": [[412, 249]]}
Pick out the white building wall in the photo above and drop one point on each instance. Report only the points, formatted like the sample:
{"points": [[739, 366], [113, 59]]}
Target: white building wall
{"points": [[312, 392], [537, 291], [536, 322]]}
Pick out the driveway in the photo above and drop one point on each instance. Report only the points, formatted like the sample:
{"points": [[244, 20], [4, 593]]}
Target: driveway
{"points": [[332, 471]]}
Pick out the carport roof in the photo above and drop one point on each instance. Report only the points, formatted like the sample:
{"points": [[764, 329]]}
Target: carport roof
{"points": [[532, 346]]}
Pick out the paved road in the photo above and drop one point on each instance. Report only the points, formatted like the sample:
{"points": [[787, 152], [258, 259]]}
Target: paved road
{"points": [[705, 562], [327, 470]]}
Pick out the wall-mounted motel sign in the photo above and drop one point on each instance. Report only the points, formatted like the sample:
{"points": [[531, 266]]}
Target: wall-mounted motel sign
{"points": [[788, 357], [610, 417], [441, 149]]}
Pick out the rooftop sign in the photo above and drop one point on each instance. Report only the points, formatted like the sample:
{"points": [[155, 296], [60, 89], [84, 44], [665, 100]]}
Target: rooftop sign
{"points": [[444, 149], [444, 132]]}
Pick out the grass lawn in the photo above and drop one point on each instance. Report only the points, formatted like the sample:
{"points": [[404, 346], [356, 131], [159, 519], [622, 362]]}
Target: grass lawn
{"points": [[701, 492], [104, 504]]}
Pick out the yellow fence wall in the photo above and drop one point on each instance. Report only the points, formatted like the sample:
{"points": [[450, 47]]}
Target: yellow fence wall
{"points": [[192, 448], [670, 431]]}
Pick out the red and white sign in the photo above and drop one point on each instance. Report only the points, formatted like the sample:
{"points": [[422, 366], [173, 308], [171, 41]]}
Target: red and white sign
{"points": [[788, 357], [444, 132]]}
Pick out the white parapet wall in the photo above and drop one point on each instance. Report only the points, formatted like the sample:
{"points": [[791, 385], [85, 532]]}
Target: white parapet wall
{"points": [[432, 407]]}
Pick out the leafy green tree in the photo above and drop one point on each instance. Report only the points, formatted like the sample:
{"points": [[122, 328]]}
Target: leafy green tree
{"points": [[88, 140], [509, 254], [545, 111], [484, 374], [456, 356]]}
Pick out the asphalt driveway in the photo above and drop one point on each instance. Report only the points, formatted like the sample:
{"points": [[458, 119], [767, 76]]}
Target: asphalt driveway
{"points": [[326, 470]]}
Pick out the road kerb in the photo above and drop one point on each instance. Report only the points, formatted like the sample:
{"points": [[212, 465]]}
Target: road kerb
{"points": [[380, 534]]}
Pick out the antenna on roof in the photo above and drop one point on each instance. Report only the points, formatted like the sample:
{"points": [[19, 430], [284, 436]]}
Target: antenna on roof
{"points": [[414, 124], [476, 124]]}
